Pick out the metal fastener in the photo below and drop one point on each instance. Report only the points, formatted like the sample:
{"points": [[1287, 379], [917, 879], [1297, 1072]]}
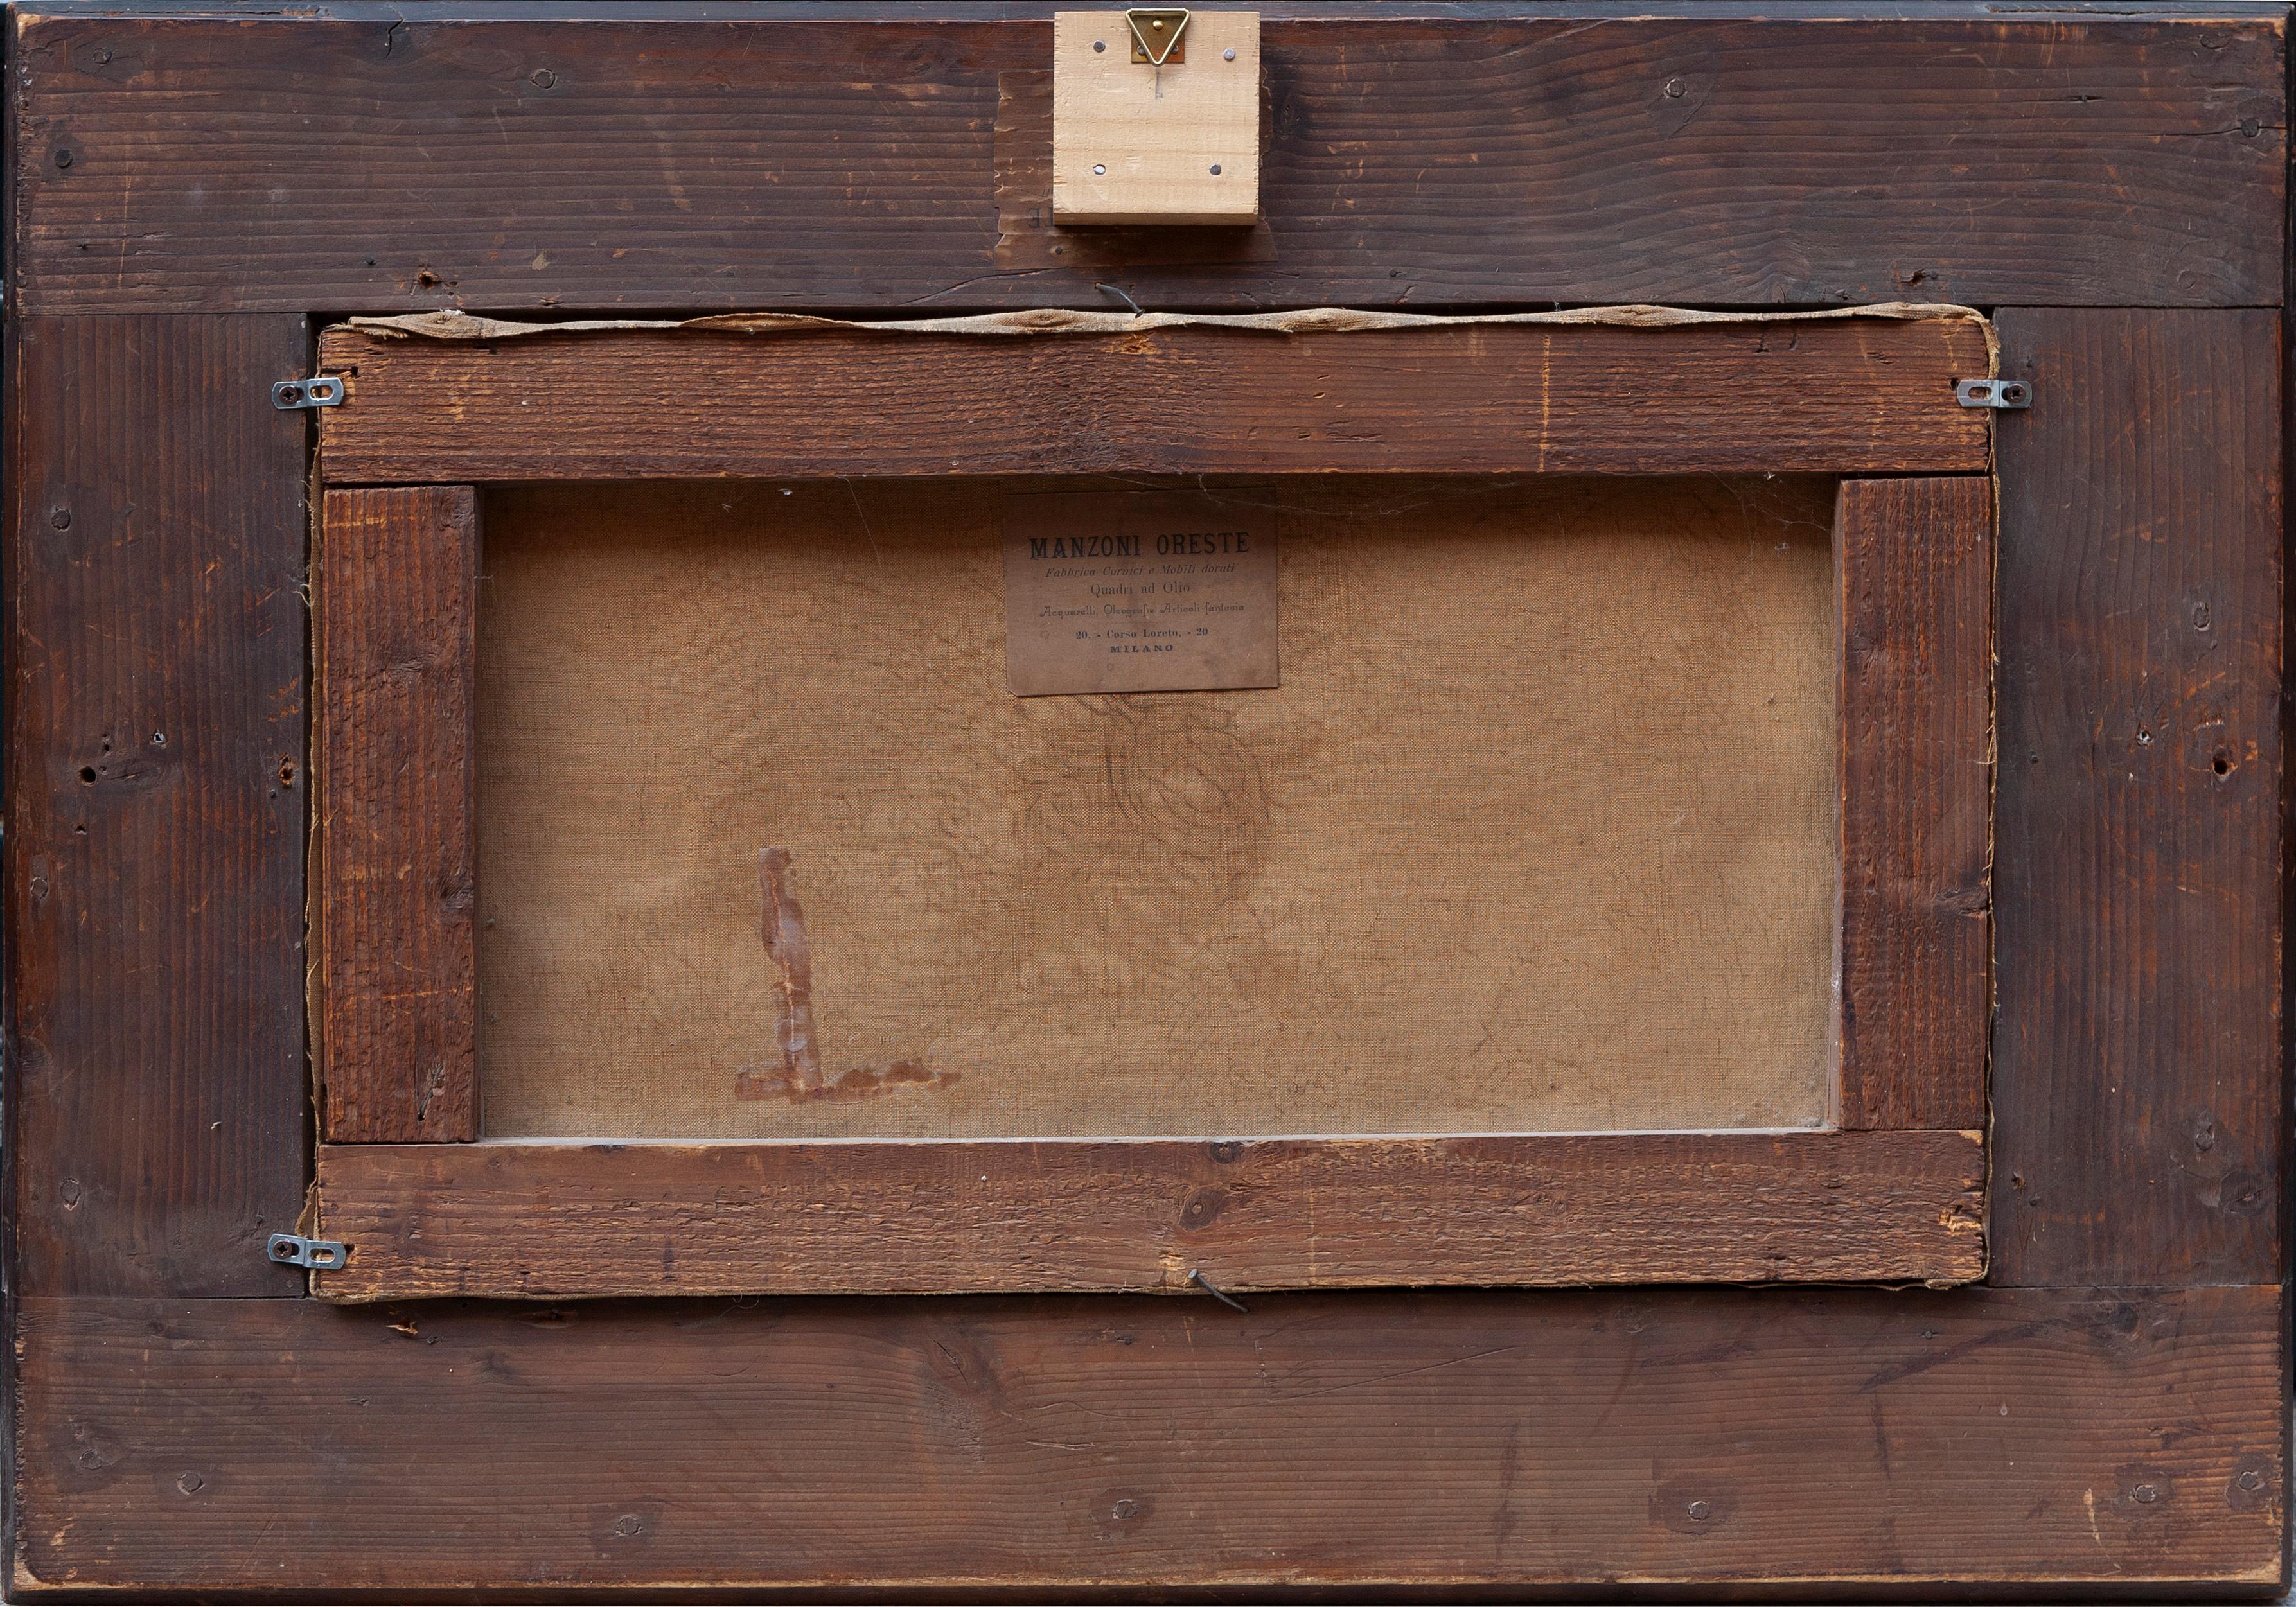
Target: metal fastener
{"points": [[1994, 393], [293, 1250], [322, 390]]}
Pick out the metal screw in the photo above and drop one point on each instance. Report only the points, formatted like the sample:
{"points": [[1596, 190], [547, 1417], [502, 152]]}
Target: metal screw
{"points": [[190, 1484], [61, 519], [103, 55], [2145, 1494], [63, 159], [1099, 45], [1099, 168], [543, 78], [1675, 89], [1214, 169], [2252, 1481], [1700, 1511], [1228, 55]]}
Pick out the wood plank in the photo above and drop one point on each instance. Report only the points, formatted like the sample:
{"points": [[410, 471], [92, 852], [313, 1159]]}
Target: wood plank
{"points": [[1840, 1441], [2137, 1074], [155, 675], [537, 1221], [1424, 161], [399, 606], [1915, 559], [1135, 142], [1844, 394]]}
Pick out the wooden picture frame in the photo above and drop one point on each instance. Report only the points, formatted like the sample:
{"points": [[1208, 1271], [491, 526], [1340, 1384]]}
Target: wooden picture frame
{"points": [[200, 189], [1891, 1190]]}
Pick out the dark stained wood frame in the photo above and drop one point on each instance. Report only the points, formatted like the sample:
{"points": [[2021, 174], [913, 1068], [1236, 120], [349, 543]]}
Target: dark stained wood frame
{"points": [[1892, 1191], [2106, 1413]]}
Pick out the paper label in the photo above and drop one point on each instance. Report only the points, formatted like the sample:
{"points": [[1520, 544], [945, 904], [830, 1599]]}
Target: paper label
{"points": [[1138, 591]]}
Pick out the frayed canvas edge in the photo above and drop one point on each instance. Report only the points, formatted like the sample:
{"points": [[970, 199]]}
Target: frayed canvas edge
{"points": [[455, 326]]}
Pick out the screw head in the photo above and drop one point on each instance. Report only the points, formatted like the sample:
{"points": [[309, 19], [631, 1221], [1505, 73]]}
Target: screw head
{"points": [[1214, 169], [2252, 1481], [1675, 89], [1228, 55], [63, 159], [1099, 168], [61, 519], [1700, 1511], [541, 77], [1099, 45]]}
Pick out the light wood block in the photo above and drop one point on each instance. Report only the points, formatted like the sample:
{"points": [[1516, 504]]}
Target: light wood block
{"points": [[1134, 143]]}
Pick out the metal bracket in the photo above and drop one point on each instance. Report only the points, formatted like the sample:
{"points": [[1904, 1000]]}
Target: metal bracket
{"points": [[293, 1250], [1994, 393], [1156, 31], [325, 391]]}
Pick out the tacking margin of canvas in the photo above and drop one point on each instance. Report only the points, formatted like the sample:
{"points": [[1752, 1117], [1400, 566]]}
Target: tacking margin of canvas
{"points": [[453, 324], [1536, 834]]}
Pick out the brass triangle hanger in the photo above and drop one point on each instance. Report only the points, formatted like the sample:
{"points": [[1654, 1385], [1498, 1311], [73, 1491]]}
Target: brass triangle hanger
{"points": [[1156, 30]]}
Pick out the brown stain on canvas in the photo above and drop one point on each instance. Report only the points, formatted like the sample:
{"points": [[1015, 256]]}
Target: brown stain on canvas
{"points": [[800, 1076]]}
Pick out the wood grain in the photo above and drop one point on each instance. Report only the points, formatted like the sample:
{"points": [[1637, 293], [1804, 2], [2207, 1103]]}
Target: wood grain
{"points": [[537, 1221], [1915, 561], [1850, 395], [1844, 1441], [2138, 1082], [155, 677], [422, 160], [397, 819]]}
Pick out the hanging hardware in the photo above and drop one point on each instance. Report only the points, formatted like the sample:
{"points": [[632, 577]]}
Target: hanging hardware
{"points": [[1156, 33], [324, 391], [293, 1250], [1135, 145], [1994, 393]]}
